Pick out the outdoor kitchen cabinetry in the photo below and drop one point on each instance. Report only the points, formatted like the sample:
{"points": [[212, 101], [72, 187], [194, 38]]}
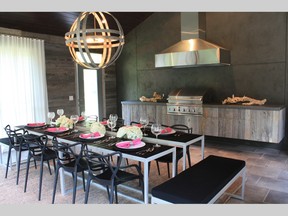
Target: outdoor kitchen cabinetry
{"points": [[256, 123], [260, 123]]}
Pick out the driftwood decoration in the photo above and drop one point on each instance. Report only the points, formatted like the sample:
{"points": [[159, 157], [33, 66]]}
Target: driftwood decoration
{"points": [[155, 97], [243, 100]]}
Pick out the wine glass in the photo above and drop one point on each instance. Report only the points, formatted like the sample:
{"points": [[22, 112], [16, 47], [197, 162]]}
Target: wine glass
{"points": [[111, 124], [156, 130], [75, 119], [60, 112], [51, 116], [144, 120], [113, 117]]}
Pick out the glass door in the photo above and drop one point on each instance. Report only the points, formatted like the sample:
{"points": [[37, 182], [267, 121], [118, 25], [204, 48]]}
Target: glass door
{"points": [[90, 91]]}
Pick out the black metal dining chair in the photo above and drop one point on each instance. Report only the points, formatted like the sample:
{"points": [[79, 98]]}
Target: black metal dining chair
{"points": [[70, 158], [39, 150], [179, 151], [109, 174], [17, 143]]}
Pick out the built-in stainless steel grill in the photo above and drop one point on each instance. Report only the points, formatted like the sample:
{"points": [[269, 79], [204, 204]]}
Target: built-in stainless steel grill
{"points": [[187, 101]]}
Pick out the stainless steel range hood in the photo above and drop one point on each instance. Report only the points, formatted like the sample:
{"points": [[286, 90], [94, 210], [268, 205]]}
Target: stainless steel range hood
{"points": [[193, 50]]}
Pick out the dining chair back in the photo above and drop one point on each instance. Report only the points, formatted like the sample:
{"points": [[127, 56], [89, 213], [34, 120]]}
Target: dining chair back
{"points": [[179, 151], [110, 174], [16, 142], [39, 150], [70, 158]]}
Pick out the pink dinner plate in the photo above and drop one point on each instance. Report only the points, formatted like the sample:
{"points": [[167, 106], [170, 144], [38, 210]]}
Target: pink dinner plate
{"points": [[57, 129], [36, 124], [121, 146], [91, 137], [168, 133]]}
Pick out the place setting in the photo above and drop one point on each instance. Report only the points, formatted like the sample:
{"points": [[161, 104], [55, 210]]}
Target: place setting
{"points": [[130, 145], [36, 125]]}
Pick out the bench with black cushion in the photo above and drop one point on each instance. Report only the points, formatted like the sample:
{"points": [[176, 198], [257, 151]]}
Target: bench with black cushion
{"points": [[204, 182]]}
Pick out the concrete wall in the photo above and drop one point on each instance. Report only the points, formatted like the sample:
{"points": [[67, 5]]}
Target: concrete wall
{"points": [[258, 44]]}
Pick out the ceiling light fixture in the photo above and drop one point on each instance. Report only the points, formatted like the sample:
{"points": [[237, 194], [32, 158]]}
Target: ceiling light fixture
{"points": [[91, 34]]}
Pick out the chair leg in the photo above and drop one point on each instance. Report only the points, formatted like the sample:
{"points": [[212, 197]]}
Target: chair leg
{"points": [[83, 179], [54, 165], [27, 171], [35, 165], [87, 190], [18, 160], [158, 168], [40, 180], [74, 187], [116, 195], [111, 200], [55, 184], [168, 170], [8, 159], [49, 167]]}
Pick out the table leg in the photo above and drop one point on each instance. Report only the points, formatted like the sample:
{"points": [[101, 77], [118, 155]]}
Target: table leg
{"points": [[184, 157], [202, 147], [174, 162], [146, 182], [62, 178]]}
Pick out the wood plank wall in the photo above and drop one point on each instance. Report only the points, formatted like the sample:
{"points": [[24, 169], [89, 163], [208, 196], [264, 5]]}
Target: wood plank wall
{"points": [[60, 74]]}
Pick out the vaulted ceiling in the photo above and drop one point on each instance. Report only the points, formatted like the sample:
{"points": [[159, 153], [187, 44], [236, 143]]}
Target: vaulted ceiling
{"points": [[58, 23]]}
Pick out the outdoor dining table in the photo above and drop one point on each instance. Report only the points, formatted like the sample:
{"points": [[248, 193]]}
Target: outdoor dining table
{"points": [[105, 145], [176, 139]]}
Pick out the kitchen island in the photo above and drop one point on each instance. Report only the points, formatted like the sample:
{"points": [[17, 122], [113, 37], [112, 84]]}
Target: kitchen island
{"points": [[264, 123]]}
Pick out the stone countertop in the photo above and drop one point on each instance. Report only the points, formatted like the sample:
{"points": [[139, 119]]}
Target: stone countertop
{"points": [[239, 106], [228, 106], [146, 103]]}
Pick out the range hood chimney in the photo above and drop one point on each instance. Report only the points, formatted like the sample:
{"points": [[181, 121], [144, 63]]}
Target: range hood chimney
{"points": [[193, 50]]}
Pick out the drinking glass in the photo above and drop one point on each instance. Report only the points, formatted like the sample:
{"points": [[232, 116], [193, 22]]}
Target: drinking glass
{"points": [[111, 124], [75, 119], [60, 112], [51, 116], [113, 117], [144, 120], [156, 130]]}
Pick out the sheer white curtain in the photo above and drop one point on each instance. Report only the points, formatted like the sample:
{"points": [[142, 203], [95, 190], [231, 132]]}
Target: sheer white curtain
{"points": [[23, 88]]}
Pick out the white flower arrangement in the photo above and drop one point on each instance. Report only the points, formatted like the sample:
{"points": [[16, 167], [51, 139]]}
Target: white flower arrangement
{"points": [[97, 127], [63, 121], [130, 132]]}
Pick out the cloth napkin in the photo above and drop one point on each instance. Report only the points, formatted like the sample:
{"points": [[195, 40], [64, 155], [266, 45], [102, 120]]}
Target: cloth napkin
{"points": [[166, 130], [127, 144], [85, 136], [138, 125], [36, 124], [81, 118], [104, 122]]}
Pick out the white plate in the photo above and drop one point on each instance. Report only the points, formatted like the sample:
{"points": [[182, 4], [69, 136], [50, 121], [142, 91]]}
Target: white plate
{"points": [[171, 132], [92, 138], [57, 130], [118, 145]]}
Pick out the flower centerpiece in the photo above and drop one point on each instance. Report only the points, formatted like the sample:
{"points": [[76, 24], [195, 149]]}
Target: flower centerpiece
{"points": [[96, 127], [130, 132], [63, 121]]}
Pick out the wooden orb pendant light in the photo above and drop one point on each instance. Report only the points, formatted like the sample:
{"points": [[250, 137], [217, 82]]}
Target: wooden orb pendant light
{"points": [[91, 41]]}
